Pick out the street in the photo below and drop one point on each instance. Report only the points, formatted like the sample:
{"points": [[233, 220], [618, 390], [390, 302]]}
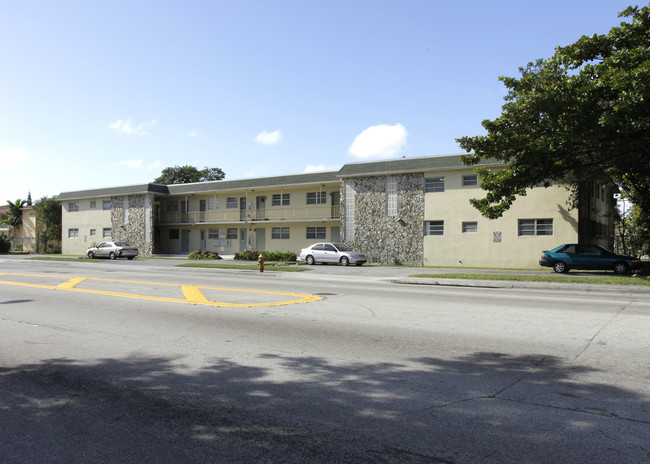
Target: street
{"points": [[331, 365]]}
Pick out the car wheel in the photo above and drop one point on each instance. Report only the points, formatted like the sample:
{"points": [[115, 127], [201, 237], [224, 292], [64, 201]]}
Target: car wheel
{"points": [[310, 260], [344, 261], [620, 268], [560, 267], [112, 255], [91, 255]]}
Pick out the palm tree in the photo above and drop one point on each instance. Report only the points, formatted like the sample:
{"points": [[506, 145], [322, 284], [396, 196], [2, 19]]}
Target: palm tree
{"points": [[15, 214]]}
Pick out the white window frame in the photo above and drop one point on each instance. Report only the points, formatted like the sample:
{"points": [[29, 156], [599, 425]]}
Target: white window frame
{"points": [[232, 203], [73, 207], [434, 184], [106, 205], [434, 228], [316, 232], [534, 227], [93, 204], [213, 233], [281, 199], [316, 198], [470, 180], [281, 233], [469, 227], [106, 232], [73, 233]]}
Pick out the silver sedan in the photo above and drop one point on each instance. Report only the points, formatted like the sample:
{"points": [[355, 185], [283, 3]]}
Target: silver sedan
{"points": [[112, 250], [331, 253]]}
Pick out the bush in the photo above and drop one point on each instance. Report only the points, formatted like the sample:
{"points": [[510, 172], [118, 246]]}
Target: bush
{"points": [[5, 244], [204, 254], [253, 255]]}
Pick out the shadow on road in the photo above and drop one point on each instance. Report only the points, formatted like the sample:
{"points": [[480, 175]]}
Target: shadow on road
{"points": [[488, 407]]}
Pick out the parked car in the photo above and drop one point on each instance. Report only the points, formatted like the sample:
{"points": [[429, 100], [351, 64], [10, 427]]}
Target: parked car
{"points": [[112, 250], [331, 253], [592, 257]]}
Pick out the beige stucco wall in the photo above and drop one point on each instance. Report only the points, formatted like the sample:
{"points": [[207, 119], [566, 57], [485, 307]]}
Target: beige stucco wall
{"points": [[85, 219], [481, 248]]}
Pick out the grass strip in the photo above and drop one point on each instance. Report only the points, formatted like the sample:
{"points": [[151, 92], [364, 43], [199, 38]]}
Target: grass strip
{"points": [[606, 280]]}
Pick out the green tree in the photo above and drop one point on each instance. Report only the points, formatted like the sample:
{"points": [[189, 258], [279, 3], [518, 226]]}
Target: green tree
{"points": [[582, 114], [15, 213], [188, 174], [48, 219]]}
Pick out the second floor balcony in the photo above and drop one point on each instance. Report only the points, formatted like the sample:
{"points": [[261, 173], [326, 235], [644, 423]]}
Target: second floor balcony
{"points": [[229, 216]]}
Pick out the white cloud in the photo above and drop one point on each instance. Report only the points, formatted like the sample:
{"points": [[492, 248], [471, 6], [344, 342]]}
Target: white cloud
{"points": [[381, 141], [269, 138], [134, 164], [126, 126], [320, 168], [14, 157], [194, 133]]}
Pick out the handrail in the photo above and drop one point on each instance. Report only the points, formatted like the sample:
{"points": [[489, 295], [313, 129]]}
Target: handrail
{"points": [[299, 213]]}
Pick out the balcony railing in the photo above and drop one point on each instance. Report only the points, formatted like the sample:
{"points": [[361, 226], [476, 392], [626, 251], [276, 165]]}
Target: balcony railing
{"points": [[301, 213]]}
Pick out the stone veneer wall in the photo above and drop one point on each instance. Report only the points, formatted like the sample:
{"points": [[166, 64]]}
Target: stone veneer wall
{"points": [[388, 239], [138, 231]]}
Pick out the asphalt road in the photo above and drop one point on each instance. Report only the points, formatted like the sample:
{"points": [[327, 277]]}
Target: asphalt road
{"points": [[369, 370]]}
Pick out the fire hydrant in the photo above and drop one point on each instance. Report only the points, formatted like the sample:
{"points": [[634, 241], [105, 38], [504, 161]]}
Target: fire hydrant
{"points": [[260, 262]]}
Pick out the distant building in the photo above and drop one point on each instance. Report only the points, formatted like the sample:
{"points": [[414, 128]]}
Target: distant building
{"points": [[412, 211]]}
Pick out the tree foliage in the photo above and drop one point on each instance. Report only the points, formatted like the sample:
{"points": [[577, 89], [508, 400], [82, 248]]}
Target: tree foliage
{"points": [[582, 114], [15, 214], [48, 218], [188, 174]]}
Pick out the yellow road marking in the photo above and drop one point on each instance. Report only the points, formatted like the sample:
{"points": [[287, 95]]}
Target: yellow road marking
{"points": [[192, 293], [71, 283]]}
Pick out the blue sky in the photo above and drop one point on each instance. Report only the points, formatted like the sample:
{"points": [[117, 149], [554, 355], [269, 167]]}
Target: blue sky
{"points": [[101, 94]]}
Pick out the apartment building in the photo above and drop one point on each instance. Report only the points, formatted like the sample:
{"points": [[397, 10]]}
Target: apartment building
{"points": [[412, 211]]}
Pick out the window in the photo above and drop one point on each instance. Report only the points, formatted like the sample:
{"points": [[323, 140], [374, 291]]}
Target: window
{"points": [[174, 234], [106, 232], [316, 232], [93, 232], [316, 198], [434, 228], [213, 203], [213, 233], [283, 199], [434, 184], [280, 232], [231, 202], [73, 233], [93, 204], [470, 180], [391, 196], [231, 232], [535, 227], [470, 227], [106, 205], [73, 207], [171, 206]]}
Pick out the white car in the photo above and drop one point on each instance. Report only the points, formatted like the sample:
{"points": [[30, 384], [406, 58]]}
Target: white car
{"points": [[331, 253], [112, 250]]}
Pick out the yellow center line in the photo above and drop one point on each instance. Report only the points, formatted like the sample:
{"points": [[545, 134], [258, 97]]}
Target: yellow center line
{"points": [[192, 293]]}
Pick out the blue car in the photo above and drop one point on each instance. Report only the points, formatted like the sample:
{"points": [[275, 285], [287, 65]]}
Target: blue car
{"points": [[587, 257]]}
